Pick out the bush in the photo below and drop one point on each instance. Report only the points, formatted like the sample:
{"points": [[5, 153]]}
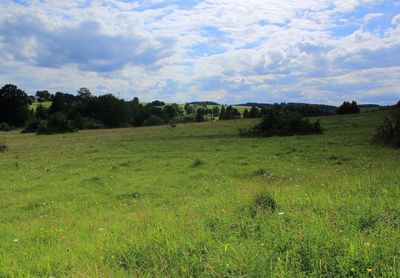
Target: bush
{"points": [[389, 132], [183, 119], [3, 147], [35, 125], [57, 123], [4, 127], [197, 163], [263, 202], [282, 123], [154, 120], [80, 122]]}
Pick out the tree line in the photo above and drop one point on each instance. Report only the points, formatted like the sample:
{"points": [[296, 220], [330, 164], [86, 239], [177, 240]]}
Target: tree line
{"points": [[69, 112]]}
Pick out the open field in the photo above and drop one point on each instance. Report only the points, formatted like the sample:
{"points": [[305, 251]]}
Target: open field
{"points": [[46, 104], [164, 201]]}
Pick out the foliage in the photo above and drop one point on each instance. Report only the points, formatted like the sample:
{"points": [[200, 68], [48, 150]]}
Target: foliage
{"points": [[42, 112], [281, 122], [5, 127], [389, 131], [254, 112], [44, 95], [80, 122], [62, 103], [348, 108], [245, 113], [35, 125], [108, 109], [57, 123], [84, 94], [200, 114], [229, 113], [14, 105], [263, 202], [157, 103], [3, 147], [154, 120]]}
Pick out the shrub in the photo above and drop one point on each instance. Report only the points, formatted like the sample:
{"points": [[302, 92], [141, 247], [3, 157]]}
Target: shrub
{"points": [[263, 202], [282, 123], [35, 125], [190, 118], [3, 147], [57, 123], [154, 120], [80, 122], [389, 132], [4, 127], [197, 163]]}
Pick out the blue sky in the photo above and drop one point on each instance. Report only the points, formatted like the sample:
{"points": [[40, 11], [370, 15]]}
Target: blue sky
{"points": [[229, 51]]}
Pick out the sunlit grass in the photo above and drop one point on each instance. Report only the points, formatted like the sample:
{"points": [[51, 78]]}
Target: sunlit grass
{"points": [[163, 201]]}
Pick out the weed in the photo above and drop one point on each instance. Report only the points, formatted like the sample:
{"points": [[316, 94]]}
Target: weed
{"points": [[197, 163], [3, 147], [263, 202]]}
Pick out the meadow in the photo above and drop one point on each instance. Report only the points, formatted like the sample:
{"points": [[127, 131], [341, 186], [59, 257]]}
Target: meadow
{"points": [[179, 202]]}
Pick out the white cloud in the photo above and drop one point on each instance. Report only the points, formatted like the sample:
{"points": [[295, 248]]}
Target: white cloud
{"points": [[396, 20], [260, 49]]}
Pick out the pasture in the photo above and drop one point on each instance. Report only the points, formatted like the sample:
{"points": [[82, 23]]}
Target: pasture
{"points": [[178, 202]]}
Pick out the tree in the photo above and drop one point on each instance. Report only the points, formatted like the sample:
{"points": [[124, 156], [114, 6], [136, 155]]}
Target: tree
{"points": [[245, 113], [45, 95], [14, 105], [41, 112], [84, 94], [108, 109], [254, 112], [348, 108], [230, 113], [158, 103], [389, 131], [222, 114], [215, 111], [282, 122], [170, 111], [200, 112], [189, 109], [62, 103], [135, 101]]}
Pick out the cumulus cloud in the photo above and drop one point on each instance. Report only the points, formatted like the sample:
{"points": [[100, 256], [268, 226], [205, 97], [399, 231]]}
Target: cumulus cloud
{"points": [[83, 45], [396, 20], [223, 50]]}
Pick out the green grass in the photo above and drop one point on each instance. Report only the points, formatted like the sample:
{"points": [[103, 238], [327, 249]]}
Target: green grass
{"points": [[46, 104], [196, 200]]}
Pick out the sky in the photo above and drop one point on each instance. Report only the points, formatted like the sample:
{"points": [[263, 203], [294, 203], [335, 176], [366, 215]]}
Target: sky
{"points": [[228, 51]]}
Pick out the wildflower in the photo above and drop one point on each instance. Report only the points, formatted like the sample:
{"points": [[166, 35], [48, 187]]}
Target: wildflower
{"points": [[369, 269], [15, 240], [281, 213]]}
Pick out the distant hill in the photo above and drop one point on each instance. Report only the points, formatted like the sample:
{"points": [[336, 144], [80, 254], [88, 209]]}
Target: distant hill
{"points": [[289, 104], [204, 103], [368, 105]]}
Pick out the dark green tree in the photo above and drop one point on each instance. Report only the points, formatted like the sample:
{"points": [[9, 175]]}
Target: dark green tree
{"points": [[348, 108], [45, 95], [14, 105], [254, 112], [245, 113], [84, 94]]}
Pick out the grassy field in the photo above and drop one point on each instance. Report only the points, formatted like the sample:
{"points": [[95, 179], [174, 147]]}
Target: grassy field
{"points": [[177, 202], [46, 104]]}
